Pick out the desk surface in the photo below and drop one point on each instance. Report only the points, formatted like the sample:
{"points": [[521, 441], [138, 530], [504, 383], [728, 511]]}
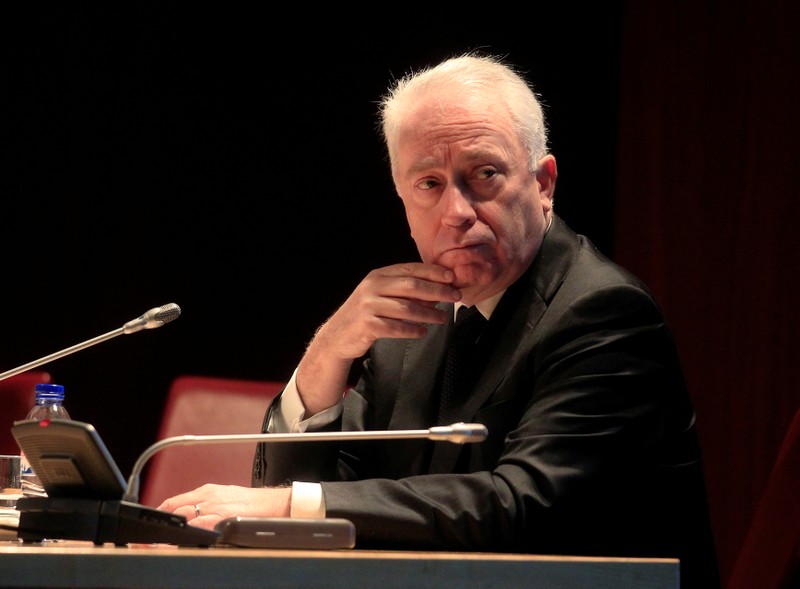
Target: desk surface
{"points": [[80, 565]]}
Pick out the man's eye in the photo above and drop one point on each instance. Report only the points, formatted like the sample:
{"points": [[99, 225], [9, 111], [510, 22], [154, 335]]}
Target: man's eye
{"points": [[428, 184], [486, 173]]}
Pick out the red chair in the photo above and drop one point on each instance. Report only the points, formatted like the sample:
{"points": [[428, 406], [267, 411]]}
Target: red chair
{"points": [[206, 405], [770, 555], [17, 396]]}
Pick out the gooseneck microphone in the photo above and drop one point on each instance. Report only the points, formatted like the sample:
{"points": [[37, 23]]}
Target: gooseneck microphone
{"points": [[457, 433], [155, 317], [84, 484]]}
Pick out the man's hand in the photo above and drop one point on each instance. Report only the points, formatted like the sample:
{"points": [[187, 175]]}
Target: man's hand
{"points": [[395, 301], [391, 302], [206, 506]]}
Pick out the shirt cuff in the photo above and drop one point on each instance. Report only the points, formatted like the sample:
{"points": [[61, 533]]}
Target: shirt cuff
{"points": [[290, 416], [307, 500]]}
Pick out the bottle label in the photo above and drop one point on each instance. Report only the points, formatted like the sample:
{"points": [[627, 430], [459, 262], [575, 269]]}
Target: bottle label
{"points": [[31, 485], [25, 467]]}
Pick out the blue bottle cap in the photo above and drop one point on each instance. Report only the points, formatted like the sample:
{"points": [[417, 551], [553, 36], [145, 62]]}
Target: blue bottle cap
{"points": [[53, 391]]}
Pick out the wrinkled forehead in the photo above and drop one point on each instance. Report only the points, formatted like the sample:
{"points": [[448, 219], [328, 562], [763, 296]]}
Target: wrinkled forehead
{"points": [[442, 131], [446, 114], [450, 116], [446, 103]]}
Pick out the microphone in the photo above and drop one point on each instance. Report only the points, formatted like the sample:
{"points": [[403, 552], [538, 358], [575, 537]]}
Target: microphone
{"points": [[457, 433], [84, 484], [155, 317]]}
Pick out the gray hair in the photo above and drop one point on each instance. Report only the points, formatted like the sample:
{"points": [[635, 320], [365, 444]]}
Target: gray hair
{"points": [[474, 73]]}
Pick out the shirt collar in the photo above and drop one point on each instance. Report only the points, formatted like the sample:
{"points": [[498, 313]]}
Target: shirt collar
{"points": [[486, 306]]}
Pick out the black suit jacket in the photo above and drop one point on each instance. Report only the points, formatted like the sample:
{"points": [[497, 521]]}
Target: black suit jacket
{"points": [[592, 448]]}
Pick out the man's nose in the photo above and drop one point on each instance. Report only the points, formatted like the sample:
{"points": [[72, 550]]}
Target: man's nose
{"points": [[458, 206]]}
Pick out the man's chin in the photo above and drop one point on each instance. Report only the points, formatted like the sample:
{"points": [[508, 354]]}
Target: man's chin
{"points": [[471, 275]]}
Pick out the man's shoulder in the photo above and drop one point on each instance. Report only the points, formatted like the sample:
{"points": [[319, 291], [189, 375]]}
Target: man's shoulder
{"points": [[587, 262]]}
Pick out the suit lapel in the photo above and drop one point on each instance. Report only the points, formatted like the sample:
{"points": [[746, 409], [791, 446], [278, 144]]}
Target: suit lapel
{"points": [[515, 317], [417, 394], [500, 347]]}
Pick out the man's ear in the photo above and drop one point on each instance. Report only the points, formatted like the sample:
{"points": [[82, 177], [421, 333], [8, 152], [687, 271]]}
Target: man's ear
{"points": [[546, 174]]}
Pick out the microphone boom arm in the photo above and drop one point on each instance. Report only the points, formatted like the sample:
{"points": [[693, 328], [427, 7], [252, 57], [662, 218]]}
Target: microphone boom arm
{"points": [[155, 317], [458, 433], [62, 353]]}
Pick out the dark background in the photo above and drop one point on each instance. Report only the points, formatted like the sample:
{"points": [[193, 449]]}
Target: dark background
{"points": [[229, 161], [164, 155]]}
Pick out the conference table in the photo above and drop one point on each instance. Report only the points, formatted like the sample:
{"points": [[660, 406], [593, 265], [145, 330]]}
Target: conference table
{"points": [[84, 565]]}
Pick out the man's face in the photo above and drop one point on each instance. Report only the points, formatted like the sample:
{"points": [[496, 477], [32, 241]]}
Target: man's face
{"points": [[472, 203]]}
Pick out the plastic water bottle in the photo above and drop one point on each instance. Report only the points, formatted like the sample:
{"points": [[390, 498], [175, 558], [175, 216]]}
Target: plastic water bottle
{"points": [[49, 405]]}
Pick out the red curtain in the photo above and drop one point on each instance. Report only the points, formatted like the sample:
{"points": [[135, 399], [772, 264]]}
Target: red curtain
{"points": [[708, 213]]}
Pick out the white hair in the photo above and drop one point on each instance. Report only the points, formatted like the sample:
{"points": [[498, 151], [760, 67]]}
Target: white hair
{"points": [[474, 73]]}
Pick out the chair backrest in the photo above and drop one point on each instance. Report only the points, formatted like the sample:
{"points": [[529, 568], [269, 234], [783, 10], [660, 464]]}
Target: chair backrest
{"points": [[17, 396], [770, 555], [206, 405]]}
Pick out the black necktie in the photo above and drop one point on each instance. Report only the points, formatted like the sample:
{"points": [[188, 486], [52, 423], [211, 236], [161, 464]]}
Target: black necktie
{"points": [[459, 361]]}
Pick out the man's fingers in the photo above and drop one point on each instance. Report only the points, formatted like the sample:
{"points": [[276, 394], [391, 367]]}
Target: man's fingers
{"points": [[419, 270], [416, 281]]}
